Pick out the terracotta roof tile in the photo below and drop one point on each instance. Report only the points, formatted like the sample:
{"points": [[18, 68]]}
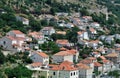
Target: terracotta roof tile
{"points": [[113, 54], [17, 32], [36, 64], [63, 42], [105, 61], [63, 53], [102, 57], [63, 66], [82, 66], [97, 64], [42, 54]]}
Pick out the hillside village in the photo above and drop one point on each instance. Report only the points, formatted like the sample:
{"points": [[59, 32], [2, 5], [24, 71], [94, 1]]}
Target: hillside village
{"points": [[85, 54], [59, 39]]}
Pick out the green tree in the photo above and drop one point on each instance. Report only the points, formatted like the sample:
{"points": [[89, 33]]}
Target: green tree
{"points": [[115, 73], [50, 46], [58, 36], [2, 57], [18, 72]]}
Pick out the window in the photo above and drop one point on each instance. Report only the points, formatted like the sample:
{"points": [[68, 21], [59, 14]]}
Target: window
{"points": [[74, 73], [71, 74], [53, 73], [4, 42]]}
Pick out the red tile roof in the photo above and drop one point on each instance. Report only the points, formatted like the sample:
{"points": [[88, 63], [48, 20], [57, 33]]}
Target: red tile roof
{"points": [[113, 54], [105, 61], [63, 42], [97, 64], [102, 57], [17, 32], [65, 66], [82, 66], [36, 64], [86, 61], [42, 54], [63, 53]]}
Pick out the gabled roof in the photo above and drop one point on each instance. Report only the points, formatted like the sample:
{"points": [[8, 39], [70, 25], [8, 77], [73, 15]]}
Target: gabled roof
{"points": [[61, 32], [47, 28], [15, 38], [42, 54], [17, 32], [113, 54], [64, 42], [63, 53], [66, 53], [105, 61], [82, 66], [86, 61], [92, 29], [36, 64], [96, 64], [65, 66], [102, 57]]}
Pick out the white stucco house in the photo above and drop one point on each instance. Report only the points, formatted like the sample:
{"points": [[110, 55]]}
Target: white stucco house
{"points": [[25, 21], [64, 70], [62, 42], [48, 30], [84, 70], [62, 56], [37, 36], [15, 33], [40, 57], [14, 41], [82, 35]]}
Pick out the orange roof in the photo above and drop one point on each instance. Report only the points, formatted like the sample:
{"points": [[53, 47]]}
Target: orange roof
{"points": [[102, 57], [63, 49], [92, 29], [61, 32], [17, 32], [47, 28], [105, 61], [73, 51], [63, 53], [82, 66], [97, 64], [113, 54], [42, 54], [36, 64], [10, 37], [67, 63], [64, 42], [91, 58], [15, 38], [96, 53], [86, 61], [95, 41], [15, 45], [88, 17], [66, 66], [80, 32], [118, 49]]}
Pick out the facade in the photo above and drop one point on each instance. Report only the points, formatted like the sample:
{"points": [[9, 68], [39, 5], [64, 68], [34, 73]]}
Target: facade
{"points": [[84, 71], [83, 35], [62, 43], [48, 30], [40, 57], [65, 70], [62, 56], [25, 21], [14, 41], [37, 36]]}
